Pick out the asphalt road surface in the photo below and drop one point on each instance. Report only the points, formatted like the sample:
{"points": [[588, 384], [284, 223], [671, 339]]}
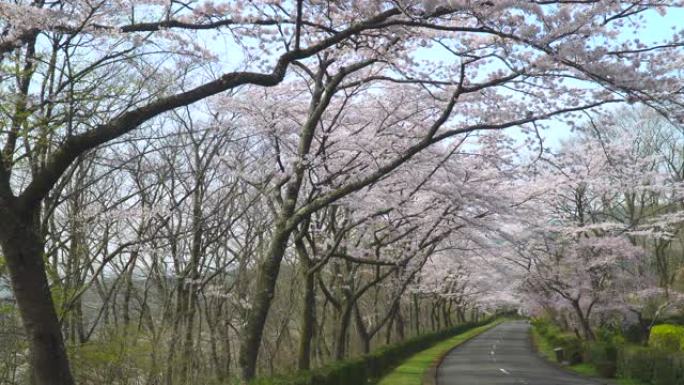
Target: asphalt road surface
{"points": [[503, 356]]}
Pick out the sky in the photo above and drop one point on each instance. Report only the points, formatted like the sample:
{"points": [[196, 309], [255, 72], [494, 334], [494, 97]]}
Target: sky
{"points": [[658, 28]]}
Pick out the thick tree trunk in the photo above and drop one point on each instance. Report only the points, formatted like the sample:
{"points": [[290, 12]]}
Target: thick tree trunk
{"points": [[265, 291], [308, 316], [399, 324], [446, 315], [188, 361], [269, 269], [188, 344], [342, 333], [388, 334], [416, 314], [364, 336], [436, 319], [460, 313], [433, 325], [22, 247], [181, 310], [584, 321]]}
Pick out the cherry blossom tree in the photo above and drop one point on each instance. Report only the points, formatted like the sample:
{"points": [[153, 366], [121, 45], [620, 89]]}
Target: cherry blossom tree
{"points": [[610, 209], [78, 75]]}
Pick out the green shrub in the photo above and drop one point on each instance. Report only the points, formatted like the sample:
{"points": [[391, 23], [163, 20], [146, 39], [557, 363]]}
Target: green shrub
{"points": [[119, 355], [659, 364], [635, 334], [571, 345], [669, 369], [667, 337], [663, 371], [610, 334], [540, 325], [363, 370], [651, 366], [636, 363], [545, 327], [604, 357]]}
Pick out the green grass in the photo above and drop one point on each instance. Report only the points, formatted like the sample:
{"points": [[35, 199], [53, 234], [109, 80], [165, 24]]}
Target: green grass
{"points": [[628, 381], [543, 346], [411, 372], [589, 370], [546, 350], [585, 369]]}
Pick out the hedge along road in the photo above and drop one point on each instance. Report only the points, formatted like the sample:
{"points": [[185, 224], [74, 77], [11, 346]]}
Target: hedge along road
{"points": [[503, 356]]}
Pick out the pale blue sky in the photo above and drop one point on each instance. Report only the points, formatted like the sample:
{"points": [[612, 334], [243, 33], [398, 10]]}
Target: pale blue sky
{"points": [[658, 28]]}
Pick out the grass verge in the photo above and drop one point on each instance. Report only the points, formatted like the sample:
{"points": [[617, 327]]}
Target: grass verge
{"points": [[585, 369], [546, 350], [411, 372]]}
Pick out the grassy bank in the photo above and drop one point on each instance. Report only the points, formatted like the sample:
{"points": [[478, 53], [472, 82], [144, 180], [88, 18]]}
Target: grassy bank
{"points": [[545, 349], [587, 369], [413, 370]]}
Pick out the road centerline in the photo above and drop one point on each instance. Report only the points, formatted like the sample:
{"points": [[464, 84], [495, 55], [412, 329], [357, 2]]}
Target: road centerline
{"points": [[499, 356]]}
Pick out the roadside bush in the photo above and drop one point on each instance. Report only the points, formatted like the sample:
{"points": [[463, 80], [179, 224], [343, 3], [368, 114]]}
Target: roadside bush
{"points": [[604, 356], [545, 327], [651, 366], [667, 337], [665, 371], [635, 334], [571, 345], [365, 369], [635, 362], [658, 364], [610, 334]]}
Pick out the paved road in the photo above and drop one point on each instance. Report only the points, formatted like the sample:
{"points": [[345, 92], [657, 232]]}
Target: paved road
{"points": [[503, 356]]}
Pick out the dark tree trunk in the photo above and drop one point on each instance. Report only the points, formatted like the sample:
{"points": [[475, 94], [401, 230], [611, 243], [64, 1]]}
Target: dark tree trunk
{"points": [[433, 325], [23, 248], [363, 331], [400, 325], [416, 315], [460, 313], [341, 340], [584, 321], [181, 303], [446, 315], [265, 291], [388, 334], [308, 316]]}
